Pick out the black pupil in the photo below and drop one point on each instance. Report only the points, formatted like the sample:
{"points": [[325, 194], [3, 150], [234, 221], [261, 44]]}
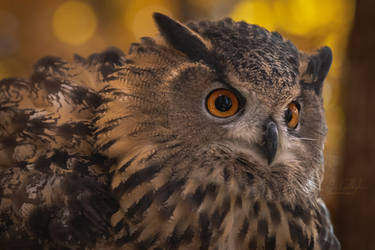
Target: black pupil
{"points": [[223, 103], [288, 115]]}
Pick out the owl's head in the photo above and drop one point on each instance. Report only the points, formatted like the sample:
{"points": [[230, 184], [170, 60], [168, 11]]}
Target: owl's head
{"points": [[218, 102]]}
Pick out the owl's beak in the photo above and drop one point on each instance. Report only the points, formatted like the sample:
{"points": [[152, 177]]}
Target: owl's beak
{"points": [[271, 140]]}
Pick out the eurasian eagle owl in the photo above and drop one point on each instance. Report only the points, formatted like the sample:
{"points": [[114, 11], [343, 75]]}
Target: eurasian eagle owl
{"points": [[209, 136]]}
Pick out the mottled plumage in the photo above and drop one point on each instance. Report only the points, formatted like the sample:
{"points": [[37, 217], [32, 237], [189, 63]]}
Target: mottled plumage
{"points": [[121, 151]]}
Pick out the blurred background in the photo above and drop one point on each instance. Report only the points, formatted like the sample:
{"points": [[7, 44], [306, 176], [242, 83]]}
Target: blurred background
{"points": [[31, 29]]}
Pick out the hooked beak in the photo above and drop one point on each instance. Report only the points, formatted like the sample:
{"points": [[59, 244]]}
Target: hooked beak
{"points": [[271, 140]]}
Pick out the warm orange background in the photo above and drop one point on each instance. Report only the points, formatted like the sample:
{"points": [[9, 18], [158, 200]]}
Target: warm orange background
{"points": [[31, 29]]}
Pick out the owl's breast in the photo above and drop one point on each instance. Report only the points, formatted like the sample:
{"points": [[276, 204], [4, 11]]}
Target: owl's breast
{"points": [[185, 214]]}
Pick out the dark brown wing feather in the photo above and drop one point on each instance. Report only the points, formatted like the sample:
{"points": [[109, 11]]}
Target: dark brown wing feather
{"points": [[54, 186]]}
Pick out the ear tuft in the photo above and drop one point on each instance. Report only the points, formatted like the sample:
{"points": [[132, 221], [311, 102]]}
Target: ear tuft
{"points": [[325, 58], [318, 66], [182, 37]]}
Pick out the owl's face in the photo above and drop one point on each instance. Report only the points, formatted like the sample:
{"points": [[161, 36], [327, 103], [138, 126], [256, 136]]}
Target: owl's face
{"points": [[219, 101]]}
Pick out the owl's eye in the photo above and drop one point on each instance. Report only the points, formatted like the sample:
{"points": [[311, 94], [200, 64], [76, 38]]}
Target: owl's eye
{"points": [[292, 115], [222, 103]]}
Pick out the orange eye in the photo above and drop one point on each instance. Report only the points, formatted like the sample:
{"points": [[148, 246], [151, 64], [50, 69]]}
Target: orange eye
{"points": [[222, 103], [292, 115]]}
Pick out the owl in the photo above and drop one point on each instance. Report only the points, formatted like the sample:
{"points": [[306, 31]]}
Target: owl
{"points": [[207, 136]]}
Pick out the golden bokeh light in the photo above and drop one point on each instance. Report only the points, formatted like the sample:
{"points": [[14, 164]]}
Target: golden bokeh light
{"points": [[74, 22], [138, 16], [203, 4], [254, 12], [301, 17], [297, 17]]}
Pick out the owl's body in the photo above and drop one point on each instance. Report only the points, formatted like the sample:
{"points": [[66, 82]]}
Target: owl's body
{"points": [[125, 152]]}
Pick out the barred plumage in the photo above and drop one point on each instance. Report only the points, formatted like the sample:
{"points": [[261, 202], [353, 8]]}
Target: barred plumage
{"points": [[121, 152]]}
